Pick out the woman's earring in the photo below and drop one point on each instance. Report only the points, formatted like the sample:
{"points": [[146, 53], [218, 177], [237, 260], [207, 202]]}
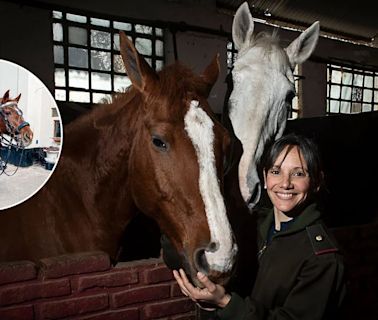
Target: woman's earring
{"points": [[264, 186]]}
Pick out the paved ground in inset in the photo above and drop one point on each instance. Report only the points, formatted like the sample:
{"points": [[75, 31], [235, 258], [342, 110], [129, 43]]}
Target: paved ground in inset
{"points": [[22, 184]]}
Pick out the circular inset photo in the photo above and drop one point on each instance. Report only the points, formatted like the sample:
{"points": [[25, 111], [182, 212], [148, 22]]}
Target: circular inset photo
{"points": [[30, 134]]}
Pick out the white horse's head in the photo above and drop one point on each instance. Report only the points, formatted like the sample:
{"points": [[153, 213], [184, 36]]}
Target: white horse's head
{"points": [[263, 87]]}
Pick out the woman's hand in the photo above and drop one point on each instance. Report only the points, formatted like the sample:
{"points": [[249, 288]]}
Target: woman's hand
{"points": [[211, 293]]}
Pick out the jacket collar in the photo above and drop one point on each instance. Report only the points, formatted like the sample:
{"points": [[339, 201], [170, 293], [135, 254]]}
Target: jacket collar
{"points": [[309, 215]]}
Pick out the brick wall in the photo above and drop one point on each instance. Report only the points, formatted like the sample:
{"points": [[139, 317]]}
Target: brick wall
{"points": [[86, 287]]}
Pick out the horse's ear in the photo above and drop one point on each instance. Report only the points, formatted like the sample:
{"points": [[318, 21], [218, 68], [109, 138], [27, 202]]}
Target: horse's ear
{"points": [[18, 98], [210, 74], [5, 97], [302, 47], [138, 70], [242, 26]]}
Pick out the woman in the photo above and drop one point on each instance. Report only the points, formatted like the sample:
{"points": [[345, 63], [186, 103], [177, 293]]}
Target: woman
{"points": [[300, 272]]}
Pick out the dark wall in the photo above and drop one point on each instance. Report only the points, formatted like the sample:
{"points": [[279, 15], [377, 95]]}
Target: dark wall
{"points": [[348, 146]]}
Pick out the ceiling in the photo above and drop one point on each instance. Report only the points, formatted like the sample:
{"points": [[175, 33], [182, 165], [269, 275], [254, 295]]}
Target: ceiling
{"points": [[349, 19]]}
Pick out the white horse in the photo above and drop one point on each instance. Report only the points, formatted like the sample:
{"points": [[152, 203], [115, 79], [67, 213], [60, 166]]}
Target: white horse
{"points": [[263, 87]]}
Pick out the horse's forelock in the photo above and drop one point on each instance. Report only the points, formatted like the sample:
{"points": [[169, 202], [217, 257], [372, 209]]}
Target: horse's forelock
{"points": [[270, 50], [181, 79], [176, 87], [265, 38]]}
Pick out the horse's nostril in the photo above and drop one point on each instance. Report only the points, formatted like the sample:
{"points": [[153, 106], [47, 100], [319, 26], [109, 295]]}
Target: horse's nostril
{"points": [[200, 261], [26, 138], [213, 246]]}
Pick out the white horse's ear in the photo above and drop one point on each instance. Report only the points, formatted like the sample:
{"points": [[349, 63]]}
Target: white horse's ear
{"points": [[303, 46], [242, 26]]}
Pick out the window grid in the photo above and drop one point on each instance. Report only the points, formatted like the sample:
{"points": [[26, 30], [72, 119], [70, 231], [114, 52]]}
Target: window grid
{"points": [[232, 54], [351, 90], [294, 110], [87, 58]]}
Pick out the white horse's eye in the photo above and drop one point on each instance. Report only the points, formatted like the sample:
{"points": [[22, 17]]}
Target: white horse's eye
{"points": [[290, 96]]}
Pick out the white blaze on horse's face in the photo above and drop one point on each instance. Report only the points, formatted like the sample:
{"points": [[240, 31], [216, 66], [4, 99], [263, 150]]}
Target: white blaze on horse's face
{"points": [[263, 87], [199, 127]]}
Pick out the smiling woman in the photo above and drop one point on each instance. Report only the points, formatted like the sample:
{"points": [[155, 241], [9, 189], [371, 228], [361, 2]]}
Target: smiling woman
{"points": [[292, 175], [300, 273]]}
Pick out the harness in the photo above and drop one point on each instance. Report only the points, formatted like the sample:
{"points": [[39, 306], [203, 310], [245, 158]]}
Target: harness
{"points": [[13, 141]]}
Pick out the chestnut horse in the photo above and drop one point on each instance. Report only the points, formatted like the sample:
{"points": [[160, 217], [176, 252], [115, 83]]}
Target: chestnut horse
{"points": [[12, 122], [156, 149]]}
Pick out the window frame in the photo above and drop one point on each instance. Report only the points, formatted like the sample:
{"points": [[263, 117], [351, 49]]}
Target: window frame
{"points": [[352, 87], [66, 89]]}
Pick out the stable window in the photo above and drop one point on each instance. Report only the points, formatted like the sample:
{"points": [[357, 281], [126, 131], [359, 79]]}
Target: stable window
{"points": [[351, 90], [88, 64]]}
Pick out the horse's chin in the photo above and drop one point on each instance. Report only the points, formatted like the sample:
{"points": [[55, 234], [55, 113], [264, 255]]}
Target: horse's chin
{"points": [[214, 276], [255, 196]]}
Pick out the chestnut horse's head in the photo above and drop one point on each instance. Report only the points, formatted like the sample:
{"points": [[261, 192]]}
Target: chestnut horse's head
{"points": [[176, 162], [12, 121]]}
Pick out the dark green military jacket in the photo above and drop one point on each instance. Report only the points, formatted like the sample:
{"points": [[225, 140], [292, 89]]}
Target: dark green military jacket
{"points": [[300, 274]]}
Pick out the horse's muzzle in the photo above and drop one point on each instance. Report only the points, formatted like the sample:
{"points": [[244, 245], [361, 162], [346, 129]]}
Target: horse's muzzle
{"points": [[27, 139], [215, 273], [175, 261]]}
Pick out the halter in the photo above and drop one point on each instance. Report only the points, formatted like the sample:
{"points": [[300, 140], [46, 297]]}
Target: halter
{"points": [[10, 128], [6, 143]]}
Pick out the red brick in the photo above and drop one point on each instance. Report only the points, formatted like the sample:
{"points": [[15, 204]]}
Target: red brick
{"points": [[140, 264], [156, 275], [72, 306], [187, 316], [141, 294], [105, 280], [16, 293], [86, 262], [167, 308], [125, 314], [176, 291], [17, 313], [17, 271]]}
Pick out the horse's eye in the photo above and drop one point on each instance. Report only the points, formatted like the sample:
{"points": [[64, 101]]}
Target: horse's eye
{"points": [[159, 143], [290, 96]]}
